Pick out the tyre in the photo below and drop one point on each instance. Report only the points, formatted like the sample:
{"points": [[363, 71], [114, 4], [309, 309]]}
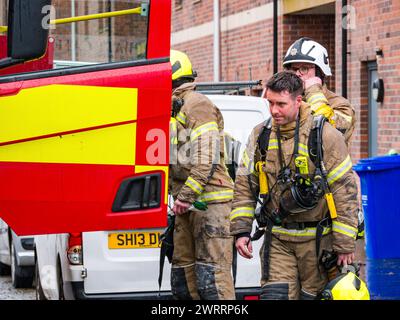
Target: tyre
{"points": [[5, 270], [21, 276]]}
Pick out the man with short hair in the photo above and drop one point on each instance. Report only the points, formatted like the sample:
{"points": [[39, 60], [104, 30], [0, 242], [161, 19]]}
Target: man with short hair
{"points": [[298, 224]]}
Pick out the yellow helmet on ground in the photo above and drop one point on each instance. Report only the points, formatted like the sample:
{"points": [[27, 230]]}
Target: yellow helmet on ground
{"points": [[346, 286], [181, 66]]}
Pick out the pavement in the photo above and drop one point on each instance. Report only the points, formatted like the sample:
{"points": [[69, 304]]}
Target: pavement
{"points": [[8, 292]]}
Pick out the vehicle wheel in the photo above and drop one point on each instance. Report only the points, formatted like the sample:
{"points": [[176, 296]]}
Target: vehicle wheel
{"points": [[21, 276], [5, 270], [38, 285]]}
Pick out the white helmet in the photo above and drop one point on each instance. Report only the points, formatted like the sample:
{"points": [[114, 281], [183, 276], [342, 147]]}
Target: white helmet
{"points": [[310, 51]]}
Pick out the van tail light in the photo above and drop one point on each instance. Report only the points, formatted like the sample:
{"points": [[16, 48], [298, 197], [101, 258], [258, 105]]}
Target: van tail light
{"points": [[252, 297], [74, 251]]}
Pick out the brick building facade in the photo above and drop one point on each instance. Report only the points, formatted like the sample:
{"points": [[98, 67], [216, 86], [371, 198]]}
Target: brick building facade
{"points": [[246, 47], [246, 51]]}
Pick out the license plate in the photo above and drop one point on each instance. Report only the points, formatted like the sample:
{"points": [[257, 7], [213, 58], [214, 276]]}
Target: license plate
{"points": [[134, 240]]}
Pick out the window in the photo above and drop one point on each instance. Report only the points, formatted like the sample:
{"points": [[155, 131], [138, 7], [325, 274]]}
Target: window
{"points": [[114, 39]]}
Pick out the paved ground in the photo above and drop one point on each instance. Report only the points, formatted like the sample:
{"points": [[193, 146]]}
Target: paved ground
{"points": [[7, 291], [382, 278]]}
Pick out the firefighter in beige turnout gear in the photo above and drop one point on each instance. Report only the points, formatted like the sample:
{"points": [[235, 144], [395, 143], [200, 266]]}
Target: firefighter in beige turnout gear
{"points": [[289, 258], [202, 257], [309, 60]]}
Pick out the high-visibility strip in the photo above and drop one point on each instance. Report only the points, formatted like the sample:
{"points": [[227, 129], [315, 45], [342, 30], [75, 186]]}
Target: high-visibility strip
{"points": [[344, 116], [181, 117], [345, 229], [216, 195], [303, 149], [249, 164], [273, 144], [322, 109], [194, 185], [242, 212], [209, 126], [316, 98], [340, 170], [174, 140], [307, 232], [173, 131]]}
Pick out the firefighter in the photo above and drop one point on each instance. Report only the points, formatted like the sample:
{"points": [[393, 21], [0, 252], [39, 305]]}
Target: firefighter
{"points": [[296, 194], [309, 60], [202, 190]]}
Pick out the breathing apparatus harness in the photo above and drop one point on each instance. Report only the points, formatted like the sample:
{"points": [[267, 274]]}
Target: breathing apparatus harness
{"points": [[300, 191]]}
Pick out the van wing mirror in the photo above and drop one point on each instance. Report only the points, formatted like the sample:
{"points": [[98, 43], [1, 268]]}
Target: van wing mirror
{"points": [[28, 30]]}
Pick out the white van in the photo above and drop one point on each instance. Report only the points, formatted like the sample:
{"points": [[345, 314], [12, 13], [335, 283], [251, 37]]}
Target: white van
{"points": [[81, 266]]}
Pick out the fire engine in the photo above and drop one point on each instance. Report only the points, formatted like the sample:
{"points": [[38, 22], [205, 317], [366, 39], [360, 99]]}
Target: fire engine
{"points": [[84, 148]]}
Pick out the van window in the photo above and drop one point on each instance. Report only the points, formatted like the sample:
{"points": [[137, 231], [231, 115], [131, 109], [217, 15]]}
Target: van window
{"points": [[115, 39], [239, 129]]}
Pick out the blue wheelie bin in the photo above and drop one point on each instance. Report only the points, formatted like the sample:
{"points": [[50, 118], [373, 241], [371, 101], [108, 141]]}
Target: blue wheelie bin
{"points": [[380, 190]]}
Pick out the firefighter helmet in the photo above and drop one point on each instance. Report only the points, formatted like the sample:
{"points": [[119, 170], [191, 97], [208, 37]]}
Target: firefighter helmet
{"points": [[181, 66], [346, 286], [309, 51]]}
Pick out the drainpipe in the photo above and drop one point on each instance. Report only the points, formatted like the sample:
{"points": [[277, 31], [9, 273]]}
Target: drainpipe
{"points": [[275, 36], [344, 48], [217, 47], [73, 32]]}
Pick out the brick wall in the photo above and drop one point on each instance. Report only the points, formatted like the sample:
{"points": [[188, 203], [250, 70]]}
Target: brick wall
{"points": [[250, 48], [377, 24]]}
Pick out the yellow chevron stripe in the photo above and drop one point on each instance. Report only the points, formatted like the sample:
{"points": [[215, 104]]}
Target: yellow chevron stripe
{"points": [[242, 212], [340, 170], [111, 145], [60, 108]]}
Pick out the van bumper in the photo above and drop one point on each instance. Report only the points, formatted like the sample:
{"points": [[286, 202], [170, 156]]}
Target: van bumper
{"points": [[79, 294]]}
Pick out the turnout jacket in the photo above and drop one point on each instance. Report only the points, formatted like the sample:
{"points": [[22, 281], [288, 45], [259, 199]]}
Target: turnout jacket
{"points": [[339, 175], [318, 96], [196, 143]]}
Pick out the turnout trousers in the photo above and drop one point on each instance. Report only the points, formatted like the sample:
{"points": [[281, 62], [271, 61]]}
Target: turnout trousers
{"points": [[202, 258], [295, 272]]}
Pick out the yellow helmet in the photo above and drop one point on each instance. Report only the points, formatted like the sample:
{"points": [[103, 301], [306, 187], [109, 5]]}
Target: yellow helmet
{"points": [[181, 66], [346, 286]]}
